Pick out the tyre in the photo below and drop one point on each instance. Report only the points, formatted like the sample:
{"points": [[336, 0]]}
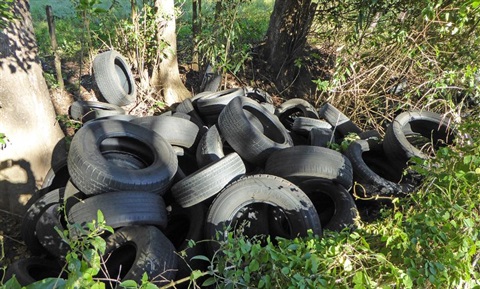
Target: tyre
{"points": [[293, 108], [114, 78], [213, 104], [416, 134], [134, 250], [48, 236], [33, 214], [258, 94], [32, 269], [208, 181], [234, 201], [176, 131], [342, 124], [186, 224], [243, 135], [372, 171], [321, 137], [334, 204], [211, 80], [300, 163], [148, 164], [57, 176], [89, 110], [210, 147], [121, 209], [303, 125]]}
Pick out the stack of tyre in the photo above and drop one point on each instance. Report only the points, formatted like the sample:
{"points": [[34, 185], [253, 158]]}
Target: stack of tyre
{"points": [[221, 161]]}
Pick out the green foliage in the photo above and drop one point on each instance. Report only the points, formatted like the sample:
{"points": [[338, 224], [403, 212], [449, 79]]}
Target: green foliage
{"points": [[393, 54], [6, 13], [221, 42], [428, 240], [3, 139]]}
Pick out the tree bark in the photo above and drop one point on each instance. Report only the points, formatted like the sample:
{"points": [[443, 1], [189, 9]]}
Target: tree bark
{"points": [[166, 77], [287, 33], [27, 116]]}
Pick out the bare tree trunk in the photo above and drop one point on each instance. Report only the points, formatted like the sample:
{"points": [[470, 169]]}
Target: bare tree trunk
{"points": [[27, 116], [287, 33], [166, 77]]}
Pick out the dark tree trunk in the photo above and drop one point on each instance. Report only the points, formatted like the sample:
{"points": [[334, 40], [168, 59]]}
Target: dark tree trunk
{"points": [[27, 116], [196, 30], [287, 33]]}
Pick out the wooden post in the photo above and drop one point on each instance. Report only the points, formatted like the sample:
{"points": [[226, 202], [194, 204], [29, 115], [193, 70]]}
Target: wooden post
{"points": [[53, 40]]}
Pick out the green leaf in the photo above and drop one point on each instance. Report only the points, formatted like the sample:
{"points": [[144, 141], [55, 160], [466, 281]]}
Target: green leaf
{"points": [[196, 274], [210, 281], [128, 284], [100, 217], [200, 257], [253, 266], [47, 283]]}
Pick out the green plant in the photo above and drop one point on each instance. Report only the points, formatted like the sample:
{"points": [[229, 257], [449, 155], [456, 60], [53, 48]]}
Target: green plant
{"points": [[6, 13], [220, 41]]}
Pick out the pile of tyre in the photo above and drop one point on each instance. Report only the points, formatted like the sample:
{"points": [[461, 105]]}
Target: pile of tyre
{"points": [[218, 162]]}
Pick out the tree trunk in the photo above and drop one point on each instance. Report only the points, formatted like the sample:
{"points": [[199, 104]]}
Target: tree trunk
{"points": [[166, 77], [27, 116], [287, 33], [196, 30]]}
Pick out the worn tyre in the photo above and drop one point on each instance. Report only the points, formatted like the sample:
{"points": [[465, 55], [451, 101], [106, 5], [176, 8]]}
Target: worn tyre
{"points": [[114, 78], [416, 134], [321, 137], [303, 125], [300, 163], [33, 214], [143, 160], [208, 181], [89, 110], [57, 176], [334, 204], [48, 236], [32, 269], [372, 171], [121, 209], [263, 189], [134, 250], [338, 120], [213, 104], [176, 131], [288, 111], [243, 135]]}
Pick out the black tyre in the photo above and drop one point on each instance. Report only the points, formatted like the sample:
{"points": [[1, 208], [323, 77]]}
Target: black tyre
{"points": [[89, 110], [229, 206], [258, 94], [342, 124], [416, 134], [134, 250], [121, 209], [185, 224], [32, 269], [303, 125], [321, 137], [211, 147], [288, 111], [33, 214], [213, 104], [57, 176], [334, 204], [150, 163], [176, 131], [243, 135], [372, 170], [300, 163], [114, 78], [47, 234], [208, 181]]}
